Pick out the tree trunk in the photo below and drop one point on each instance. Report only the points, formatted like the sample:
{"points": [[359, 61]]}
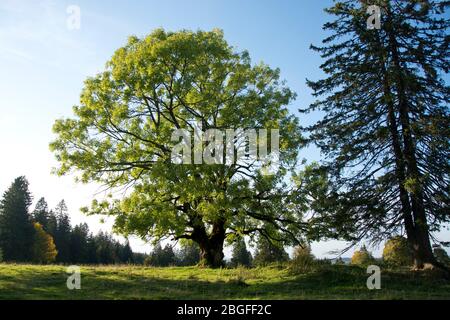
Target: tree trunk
{"points": [[400, 169], [211, 254], [419, 239], [423, 253], [211, 246]]}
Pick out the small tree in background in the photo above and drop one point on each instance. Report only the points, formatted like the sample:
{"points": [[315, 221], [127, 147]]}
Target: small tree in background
{"points": [[441, 255], [267, 252], [162, 257], [397, 252], [63, 232], [241, 256], [105, 248], [1, 255], [189, 254], [79, 244], [303, 260], [126, 254], [44, 249], [16, 228], [41, 214], [362, 257]]}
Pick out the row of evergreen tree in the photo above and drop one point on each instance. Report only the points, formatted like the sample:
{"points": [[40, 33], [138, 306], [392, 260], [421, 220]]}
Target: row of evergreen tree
{"points": [[46, 236], [189, 255]]}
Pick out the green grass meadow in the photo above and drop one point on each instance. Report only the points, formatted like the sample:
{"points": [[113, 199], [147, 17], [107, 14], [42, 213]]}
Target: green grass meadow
{"points": [[272, 282]]}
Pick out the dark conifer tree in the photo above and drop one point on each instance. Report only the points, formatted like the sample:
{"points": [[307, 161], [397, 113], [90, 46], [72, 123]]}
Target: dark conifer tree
{"points": [[52, 223], [189, 254], [126, 255], [386, 126], [16, 228], [241, 256], [62, 232], [162, 257], [268, 252], [79, 238], [41, 214]]}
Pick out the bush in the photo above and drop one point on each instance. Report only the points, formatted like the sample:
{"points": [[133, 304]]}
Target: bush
{"points": [[440, 254], [397, 252], [1, 255], [303, 260], [362, 257]]}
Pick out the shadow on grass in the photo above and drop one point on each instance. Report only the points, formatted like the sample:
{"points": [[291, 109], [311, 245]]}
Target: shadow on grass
{"points": [[330, 283]]}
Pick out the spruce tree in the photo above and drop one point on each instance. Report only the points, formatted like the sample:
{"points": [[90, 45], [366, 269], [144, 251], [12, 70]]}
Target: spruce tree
{"points": [[62, 232], [16, 229], [41, 213], [386, 126], [241, 256], [189, 254], [126, 253], [79, 238], [269, 252]]}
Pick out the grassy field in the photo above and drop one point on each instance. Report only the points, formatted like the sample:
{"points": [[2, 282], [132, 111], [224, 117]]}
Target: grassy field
{"points": [[275, 282]]}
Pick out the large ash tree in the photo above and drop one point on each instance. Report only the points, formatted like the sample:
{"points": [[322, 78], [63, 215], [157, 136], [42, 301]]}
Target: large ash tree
{"points": [[386, 126], [121, 137]]}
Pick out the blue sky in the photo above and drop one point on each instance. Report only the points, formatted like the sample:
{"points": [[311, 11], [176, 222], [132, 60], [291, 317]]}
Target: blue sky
{"points": [[43, 65]]}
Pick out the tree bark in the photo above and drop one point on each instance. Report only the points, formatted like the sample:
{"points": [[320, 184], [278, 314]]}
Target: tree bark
{"points": [[400, 169], [211, 246], [211, 254], [419, 239]]}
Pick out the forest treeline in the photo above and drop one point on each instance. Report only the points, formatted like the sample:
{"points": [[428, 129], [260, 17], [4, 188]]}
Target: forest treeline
{"points": [[45, 235]]}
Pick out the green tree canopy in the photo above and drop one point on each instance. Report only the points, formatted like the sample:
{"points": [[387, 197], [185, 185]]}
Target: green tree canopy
{"points": [[121, 137]]}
